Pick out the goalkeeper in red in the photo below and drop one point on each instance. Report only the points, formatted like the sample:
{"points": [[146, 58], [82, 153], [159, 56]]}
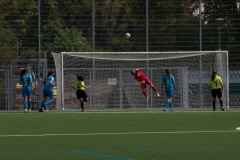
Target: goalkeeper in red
{"points": [[141, 78]]}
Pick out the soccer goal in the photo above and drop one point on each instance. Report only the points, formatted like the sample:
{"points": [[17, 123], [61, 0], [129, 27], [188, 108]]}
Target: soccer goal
{"points": [[113, 86]]}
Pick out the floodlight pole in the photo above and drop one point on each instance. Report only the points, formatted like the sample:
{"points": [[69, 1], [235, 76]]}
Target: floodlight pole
{"points": [[200, 49], [219, 38], [146, 21], [39, 53], [93, 30], [219, 21], [200, 25]]}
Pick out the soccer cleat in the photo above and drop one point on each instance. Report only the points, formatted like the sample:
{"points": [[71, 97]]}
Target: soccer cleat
{"points": [[25, 110], [29, 110], [222, 109], [172, 110], [40, 110], [158, 94], [164, 110], [82, 110]]}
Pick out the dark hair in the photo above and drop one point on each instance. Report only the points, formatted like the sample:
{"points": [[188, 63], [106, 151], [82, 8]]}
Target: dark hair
{"points": [[214, 72], [168, 71], [23, 71], [49, 73], [80, 77]]}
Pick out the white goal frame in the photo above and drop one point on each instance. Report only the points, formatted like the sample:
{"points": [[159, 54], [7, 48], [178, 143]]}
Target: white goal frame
{"points": [[220, 56]]}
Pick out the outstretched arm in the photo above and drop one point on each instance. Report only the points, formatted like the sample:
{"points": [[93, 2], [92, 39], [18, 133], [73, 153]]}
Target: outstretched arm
{"points": [[86, 86], [221, 85]]}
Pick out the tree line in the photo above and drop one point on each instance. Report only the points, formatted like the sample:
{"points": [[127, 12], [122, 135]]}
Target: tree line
{"points": [[66, 25]]}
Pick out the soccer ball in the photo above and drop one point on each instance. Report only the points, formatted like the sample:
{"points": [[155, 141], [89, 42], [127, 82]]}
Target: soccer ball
{"points": [[128, 35]]}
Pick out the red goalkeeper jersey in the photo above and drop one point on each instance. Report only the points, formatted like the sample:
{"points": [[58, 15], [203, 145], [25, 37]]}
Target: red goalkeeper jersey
{"points": [[140, 76]]}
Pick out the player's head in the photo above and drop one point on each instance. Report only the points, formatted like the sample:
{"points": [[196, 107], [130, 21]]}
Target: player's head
{"points": [[80, 77], [133, 71], [50, 73], [168, 71], [23, 71], [214, 73]]}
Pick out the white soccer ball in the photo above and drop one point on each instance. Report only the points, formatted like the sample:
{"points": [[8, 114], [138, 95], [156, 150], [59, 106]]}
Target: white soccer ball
{"points": [[128, 35]]}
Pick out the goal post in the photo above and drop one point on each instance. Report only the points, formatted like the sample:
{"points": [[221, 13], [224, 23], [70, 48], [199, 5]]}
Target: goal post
{"points": [[113, 86]]}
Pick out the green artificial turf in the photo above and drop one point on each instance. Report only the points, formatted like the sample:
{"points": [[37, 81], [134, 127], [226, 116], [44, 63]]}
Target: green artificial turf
{"points": [[128, 134]]}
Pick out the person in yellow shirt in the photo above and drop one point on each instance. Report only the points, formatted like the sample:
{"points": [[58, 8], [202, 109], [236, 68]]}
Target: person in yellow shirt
{"points": [[79, 86], [215, 83]]}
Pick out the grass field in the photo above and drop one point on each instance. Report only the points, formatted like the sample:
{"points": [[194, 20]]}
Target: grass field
{"points": [[128, 134]]}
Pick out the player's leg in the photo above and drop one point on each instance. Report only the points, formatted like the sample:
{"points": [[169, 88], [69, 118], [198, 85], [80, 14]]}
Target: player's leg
{"points": [[153, 87], [214, 99], [49, 101], [166, 106], [168, 99], [219, 94], [143, 86], [25, 103], [44, 100], [82, 104], [171, 94], [155, 90], [79, 96], [29, 99], [50, 95], [84, 98], [24, 94]]}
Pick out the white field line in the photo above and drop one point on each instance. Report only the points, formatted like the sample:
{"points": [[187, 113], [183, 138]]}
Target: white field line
{"points": [[127, 133]]}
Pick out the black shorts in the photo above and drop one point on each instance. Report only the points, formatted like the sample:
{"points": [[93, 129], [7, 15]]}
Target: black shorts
{"points": [[81, 94], [217, 92]]}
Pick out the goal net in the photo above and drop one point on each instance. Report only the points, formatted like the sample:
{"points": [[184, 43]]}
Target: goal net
{"points": [[113, 86]]}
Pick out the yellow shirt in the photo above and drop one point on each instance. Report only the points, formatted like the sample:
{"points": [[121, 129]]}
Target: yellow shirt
{"points": [[78, 85], [216, 83]]}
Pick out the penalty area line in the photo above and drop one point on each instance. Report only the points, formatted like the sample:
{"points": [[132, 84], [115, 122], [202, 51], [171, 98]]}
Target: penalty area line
{"points": [[127, 133]]}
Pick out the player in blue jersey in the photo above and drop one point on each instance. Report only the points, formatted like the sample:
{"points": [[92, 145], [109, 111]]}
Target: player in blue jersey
{"points": [[168, 83], [47, 91], [27, 85]]}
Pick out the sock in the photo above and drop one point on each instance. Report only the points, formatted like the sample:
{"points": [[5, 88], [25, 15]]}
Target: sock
{"points": [[29, 104], [49, 101], [25, 104], [145, 94], [214, 107], [166, 105], [154, 88], [41, 107], [221, 102], [171, 106], [82, 105]]}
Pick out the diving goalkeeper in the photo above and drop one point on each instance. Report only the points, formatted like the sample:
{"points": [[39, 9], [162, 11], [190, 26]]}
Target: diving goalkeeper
{"points": [[141, 78]]}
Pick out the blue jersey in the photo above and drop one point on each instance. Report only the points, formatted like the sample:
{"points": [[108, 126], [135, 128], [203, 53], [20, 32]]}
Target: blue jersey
{"points": [[25, 81], [47, 84], [168, 81]]}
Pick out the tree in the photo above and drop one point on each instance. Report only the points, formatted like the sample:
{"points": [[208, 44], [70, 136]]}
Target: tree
{"points": [[70, 40], [228, 12], [8, 46]]}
